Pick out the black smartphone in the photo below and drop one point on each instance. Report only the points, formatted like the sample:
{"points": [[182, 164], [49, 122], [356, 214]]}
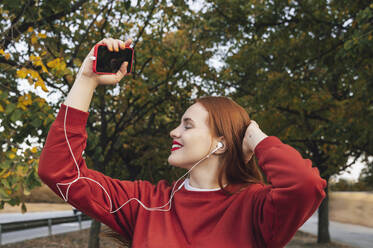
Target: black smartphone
{"points": [[108, 62]]}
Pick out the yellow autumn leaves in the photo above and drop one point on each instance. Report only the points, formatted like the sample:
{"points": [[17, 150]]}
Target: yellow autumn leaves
{"points": [[1, 107], [12, 154], [24, 101], [58, 64], [35, 36], [6, 55], [5, 174], [34, 39], [20, 169], [32, 75]]}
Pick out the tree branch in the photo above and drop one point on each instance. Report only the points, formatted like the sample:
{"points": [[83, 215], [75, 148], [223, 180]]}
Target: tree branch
{"points": [[310, 116], [17, 31]]}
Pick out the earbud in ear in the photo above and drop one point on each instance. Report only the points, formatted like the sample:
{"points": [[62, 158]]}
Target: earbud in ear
{"points": [[218, 146]]}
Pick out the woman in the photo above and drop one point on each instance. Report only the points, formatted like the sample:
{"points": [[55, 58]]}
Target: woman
{"points": [[223, 202]]}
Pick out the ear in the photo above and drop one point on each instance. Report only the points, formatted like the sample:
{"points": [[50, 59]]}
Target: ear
{"points": [[223, 148]]}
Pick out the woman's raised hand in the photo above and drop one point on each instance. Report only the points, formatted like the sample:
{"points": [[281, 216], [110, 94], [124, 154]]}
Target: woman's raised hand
{"points": [[252, 138], [86, 70]]}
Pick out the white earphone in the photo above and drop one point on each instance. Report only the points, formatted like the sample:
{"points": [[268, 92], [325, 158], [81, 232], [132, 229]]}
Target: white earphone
{"points": [[219, 145]]}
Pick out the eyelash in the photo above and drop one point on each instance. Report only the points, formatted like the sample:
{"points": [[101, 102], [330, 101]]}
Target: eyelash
{"points": [[186, 127]]}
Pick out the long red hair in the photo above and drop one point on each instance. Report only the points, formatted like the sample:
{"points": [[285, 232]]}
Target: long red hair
{"points": [[230, 120]]}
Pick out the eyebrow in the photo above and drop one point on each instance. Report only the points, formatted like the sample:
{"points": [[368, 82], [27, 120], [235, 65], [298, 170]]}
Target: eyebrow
{"points": [[188, 119]]}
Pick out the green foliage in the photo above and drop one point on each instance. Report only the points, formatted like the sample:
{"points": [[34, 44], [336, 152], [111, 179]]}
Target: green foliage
{"points": [[303, 69], [24, 115], [18, 167]]}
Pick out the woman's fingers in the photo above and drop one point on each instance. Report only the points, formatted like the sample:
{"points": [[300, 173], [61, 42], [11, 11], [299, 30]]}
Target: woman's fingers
{"points": [[122, 45], [110, 44], [254, 123], [114, 44], [128, 42], [122, 71], [114, 79]]}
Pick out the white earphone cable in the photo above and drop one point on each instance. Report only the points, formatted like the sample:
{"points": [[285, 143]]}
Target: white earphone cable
{"points": [[160, 208]]}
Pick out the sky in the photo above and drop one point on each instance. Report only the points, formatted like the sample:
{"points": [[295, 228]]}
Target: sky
{"points": [[352, 173]]}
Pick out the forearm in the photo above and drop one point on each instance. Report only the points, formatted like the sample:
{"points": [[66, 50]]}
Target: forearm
{"points": [[66, 173], [80, 95], [295, 192]]}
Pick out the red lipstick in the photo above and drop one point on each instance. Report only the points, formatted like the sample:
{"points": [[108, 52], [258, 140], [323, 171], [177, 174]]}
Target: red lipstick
{"points": [[176, 145]]}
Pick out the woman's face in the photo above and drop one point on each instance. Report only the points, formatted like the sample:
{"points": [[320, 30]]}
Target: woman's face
{"points": [[194, 137]]}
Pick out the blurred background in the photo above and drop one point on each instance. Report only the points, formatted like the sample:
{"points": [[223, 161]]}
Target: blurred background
{"points": [[302, 70]]}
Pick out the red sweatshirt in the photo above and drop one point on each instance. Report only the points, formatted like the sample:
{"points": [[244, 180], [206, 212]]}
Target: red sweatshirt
{"points": [[258, 216]]}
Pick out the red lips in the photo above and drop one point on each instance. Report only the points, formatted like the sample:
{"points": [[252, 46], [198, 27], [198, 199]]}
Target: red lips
{"points": [[176, 145]]}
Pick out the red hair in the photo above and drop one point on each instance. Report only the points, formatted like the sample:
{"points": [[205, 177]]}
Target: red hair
{"points": [[230, 120]]}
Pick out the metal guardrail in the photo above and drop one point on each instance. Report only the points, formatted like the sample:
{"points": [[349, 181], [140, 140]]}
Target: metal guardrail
{"points": [[27, 224]]}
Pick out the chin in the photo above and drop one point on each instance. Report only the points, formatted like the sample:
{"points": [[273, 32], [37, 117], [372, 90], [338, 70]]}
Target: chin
{"points": [[174, 162]]}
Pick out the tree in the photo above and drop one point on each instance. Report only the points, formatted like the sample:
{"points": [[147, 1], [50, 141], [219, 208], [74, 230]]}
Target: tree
{"points": [[366, 176], [24, 115], [128, 126], [303, 69]]}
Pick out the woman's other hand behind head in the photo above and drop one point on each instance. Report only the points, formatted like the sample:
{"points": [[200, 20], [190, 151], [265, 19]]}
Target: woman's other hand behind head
{"points": [[252, 138]]}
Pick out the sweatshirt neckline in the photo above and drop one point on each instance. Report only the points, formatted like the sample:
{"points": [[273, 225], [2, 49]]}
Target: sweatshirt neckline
{"points": [[189, 187], [204, 194]]}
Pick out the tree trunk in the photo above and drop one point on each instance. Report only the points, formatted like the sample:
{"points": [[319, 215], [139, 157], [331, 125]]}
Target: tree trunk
{"points": [[323, 235], [94, 241]]}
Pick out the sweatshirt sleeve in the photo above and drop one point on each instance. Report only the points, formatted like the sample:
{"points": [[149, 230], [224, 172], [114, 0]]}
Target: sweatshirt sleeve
{"points": [[89, 191], [295, 192]]}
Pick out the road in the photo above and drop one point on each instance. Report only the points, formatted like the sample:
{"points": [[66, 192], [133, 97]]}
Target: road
{"points": [[12, 237], [33, 216], [354, 235]]}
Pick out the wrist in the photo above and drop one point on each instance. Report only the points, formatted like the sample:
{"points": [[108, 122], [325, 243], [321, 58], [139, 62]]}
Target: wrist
{"points": [[87, 82], [81, 93], [255, 138]]}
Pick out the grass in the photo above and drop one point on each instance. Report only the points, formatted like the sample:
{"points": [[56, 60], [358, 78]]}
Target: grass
{"points": [[43, 194]]}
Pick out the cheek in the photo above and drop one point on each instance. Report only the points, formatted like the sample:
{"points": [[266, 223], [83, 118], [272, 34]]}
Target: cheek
{"points": [[196, 145], [198, 141]]}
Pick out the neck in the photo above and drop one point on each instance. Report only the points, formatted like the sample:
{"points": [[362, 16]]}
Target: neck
{"points": [[205, 175]]}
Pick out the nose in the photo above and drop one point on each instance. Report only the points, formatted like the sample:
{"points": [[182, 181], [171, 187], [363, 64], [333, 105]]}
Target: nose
{"points": [[174, 133]]}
